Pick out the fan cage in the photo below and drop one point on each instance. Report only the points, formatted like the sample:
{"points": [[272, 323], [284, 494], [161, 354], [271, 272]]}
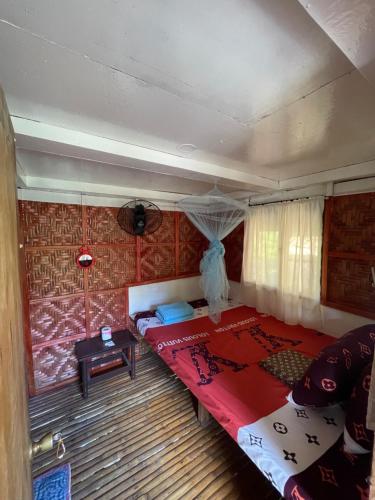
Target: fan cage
{"points": [[152, 220]]}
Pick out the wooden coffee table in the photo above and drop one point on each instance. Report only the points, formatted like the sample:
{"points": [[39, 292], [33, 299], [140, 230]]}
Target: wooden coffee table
{"points": [[93, 352]]}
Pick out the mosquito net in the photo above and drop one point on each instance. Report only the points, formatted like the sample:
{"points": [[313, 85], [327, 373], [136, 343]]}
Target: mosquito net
{"points": [[215, 215]]}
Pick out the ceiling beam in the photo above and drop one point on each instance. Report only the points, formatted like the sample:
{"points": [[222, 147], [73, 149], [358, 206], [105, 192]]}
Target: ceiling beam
{"points": [[90, 188], [43, 137], [79, 198], [350, 172], [58, 140], [307, 192], [357, 186]]}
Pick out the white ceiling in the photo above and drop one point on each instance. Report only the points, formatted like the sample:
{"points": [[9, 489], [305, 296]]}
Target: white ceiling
{"points": [[273, 95]]}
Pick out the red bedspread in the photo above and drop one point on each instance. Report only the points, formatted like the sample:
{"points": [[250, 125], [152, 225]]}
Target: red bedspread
{"points": [[219, 363]]}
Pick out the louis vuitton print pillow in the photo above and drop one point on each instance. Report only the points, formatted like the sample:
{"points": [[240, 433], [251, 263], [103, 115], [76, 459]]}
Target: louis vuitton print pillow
{"points": [[330, 378], [357, 437]]}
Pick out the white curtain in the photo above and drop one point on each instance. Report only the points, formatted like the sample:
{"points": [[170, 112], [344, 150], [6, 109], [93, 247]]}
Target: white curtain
{"points": [[282, 260]]}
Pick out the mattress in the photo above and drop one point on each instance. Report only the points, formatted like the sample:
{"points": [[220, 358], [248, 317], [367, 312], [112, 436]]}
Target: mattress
{"points": [[298, 449]]}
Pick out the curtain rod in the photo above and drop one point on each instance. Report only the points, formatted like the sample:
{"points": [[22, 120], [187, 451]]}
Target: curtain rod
{"points": [[285, 201]]}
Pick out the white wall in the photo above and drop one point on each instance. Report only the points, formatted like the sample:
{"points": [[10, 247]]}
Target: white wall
{"points": [[145, 297], [235, 290], [334, 321], [337, 323]]}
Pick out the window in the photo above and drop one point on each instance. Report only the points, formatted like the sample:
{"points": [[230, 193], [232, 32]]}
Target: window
{"points": [[282, 257]]}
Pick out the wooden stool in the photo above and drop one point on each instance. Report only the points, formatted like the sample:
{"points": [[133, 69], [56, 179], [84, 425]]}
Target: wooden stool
{"points": [[86, 350]]}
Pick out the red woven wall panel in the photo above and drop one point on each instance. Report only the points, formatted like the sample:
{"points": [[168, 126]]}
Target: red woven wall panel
{"points": [[61, 297], [349, 283], [190, 257], [54, 364], [349, 253], [50, 224], [102, 227], [53, 273], [107, 308], [114, 267], [57, 319], [233, 244], [157, 261], [352, 226], [165, 233], [188, 232]]}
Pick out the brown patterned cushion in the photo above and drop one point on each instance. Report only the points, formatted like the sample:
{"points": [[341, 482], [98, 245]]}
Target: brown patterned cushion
{"points": [[288, 366]]}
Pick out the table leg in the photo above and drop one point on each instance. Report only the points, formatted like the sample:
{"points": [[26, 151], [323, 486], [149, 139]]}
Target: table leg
{"points": [[132, 362], [85, 379]]}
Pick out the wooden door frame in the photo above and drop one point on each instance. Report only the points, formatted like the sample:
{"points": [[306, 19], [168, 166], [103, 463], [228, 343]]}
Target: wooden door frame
{"points": [[15, 465]]}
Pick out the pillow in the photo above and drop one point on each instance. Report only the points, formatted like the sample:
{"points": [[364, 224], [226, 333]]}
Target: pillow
{"points": [[143, 315], [330, 378], [195, 304], [357, 438], [288, 366]]}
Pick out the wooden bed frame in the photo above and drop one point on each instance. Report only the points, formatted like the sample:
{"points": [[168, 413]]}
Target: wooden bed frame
{"points": [[204, 417]]}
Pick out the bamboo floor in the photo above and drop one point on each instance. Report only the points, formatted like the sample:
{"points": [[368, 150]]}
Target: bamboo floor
{"points": [[140, 439]]}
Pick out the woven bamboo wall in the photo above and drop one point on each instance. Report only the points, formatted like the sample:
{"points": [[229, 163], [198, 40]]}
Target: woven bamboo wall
{"points": [[349, 253], [64, 303], [233, 252]]}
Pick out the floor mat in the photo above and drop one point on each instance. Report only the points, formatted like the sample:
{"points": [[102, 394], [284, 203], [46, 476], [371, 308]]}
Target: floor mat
{"points": [[53, 484]]}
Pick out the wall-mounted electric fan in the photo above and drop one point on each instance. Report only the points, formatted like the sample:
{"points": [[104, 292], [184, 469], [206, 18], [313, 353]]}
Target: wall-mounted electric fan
{"points": [[139, 217]]}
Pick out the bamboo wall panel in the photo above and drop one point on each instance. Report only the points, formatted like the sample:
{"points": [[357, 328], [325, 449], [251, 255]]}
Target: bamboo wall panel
{"points": [[349, 253], [64, 302], [157, 261], [102, 227], [233, 244], [107, 308], [53, 272], [190, 256], [54, 364], [57, 319], [188, 232], [51, 224], [353, 224], [114, 266], [192, 246], [349, 284], [165, 233]]}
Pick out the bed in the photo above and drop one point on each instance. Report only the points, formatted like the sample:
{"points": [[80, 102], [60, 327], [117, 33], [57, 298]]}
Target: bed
{"points": [[300, 450]]}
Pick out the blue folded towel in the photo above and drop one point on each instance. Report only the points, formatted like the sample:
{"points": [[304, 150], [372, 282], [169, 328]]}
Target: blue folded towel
{"points": [[176, 319], [182, 305], [174, 312]]}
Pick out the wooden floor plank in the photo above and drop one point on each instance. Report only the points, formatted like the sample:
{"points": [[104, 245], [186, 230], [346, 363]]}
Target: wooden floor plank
{"points": [[141, 440]]}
